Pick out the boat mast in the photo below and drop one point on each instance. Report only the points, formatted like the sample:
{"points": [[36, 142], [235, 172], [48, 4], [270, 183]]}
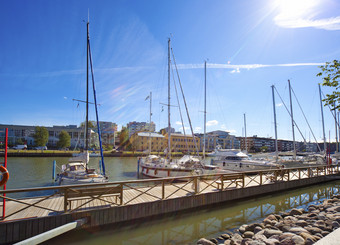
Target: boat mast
{"points": [[323, 123], [205, 106], [275, 125], [169, 124], [291, 114], [336, 130], [87, 90], [150, 124], [245, 132]]}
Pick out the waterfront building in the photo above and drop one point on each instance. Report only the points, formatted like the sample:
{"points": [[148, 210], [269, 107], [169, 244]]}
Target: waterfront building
{"points": [[257, 144], [134, 127], [140, 141], [219, 137], [25, 134], [182, 143], [108, 132]]}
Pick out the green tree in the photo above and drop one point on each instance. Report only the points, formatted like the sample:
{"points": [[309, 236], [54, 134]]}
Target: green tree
{"points": [[124, 137], [264, 148], [64, 139], [331, 74], [20, 141], [40, 136], [92, 124]]}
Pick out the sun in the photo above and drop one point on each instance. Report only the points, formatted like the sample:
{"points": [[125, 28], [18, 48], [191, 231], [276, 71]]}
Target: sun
{"points": [[295, 8]]}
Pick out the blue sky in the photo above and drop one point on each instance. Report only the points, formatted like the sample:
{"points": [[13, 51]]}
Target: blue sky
{"points": [[249, 44]]}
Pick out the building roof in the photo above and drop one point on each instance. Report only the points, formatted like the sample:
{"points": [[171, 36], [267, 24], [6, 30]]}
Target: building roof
{"points": [[148, 134]]}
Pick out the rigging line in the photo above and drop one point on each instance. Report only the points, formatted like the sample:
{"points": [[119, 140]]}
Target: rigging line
{"points": [[305, 119], [179, 108], [179, 81], [95, 104], [290, 115], [331, 110]]}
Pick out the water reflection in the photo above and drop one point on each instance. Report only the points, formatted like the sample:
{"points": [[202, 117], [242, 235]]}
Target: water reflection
{"points": [[187, 228]]}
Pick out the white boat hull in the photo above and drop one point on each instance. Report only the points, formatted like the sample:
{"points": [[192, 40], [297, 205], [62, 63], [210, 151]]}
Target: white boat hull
{"points": [[242, 166]]}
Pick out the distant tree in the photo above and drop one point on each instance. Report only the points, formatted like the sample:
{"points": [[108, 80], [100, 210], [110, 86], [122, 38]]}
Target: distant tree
{"points": [[124, 138], [20, 141], [92, 124], [40, 136], [64, 140], [264, 148], [331, 76]]}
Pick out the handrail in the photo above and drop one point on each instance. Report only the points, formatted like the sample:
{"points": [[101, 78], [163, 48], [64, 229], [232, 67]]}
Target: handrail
{"points": [[156, 180]]}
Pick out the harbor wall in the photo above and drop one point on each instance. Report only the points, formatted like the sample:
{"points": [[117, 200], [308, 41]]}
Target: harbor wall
{"points": [[17, 230]]}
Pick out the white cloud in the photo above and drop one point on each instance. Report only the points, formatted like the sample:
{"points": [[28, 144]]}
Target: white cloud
{"points": [[237, 70], [65, 98], [212, 123], [301, 14], [279, 105], [197, 129], [178, 123]]}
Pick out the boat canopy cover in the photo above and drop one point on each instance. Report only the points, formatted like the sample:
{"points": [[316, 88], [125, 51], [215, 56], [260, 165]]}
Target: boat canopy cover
{"points": [[83, 157], [188, 158]]}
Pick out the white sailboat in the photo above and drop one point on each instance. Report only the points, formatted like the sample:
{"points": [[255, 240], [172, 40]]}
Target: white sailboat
{"points": [[77, 170], [159, 167]]}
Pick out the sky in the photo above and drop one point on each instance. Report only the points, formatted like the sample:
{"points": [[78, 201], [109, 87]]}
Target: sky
{"points": [[249, 45]]}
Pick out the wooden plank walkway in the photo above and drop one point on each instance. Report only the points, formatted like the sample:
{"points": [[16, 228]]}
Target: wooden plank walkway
{"points": [[152, 192]]}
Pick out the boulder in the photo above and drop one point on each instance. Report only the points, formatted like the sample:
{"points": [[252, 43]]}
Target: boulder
{"points": [[295, 211], [225, 236], [227, 242], [313, 230], [242, 228], [286, 235], [255, 242], [248, 234], [246, 241], [335, 224], [297, 230], [271, 232], [236, 239], [204, 241], [214, 240], [298, 240], [257, 229], [301, 223], [306, 236]]}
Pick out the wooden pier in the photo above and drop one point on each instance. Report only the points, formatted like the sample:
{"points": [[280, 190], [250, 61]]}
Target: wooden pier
{"points": [[124, 201]]}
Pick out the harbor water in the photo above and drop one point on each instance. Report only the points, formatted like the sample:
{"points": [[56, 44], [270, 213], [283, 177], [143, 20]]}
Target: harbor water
{"points": [[179, 228]]}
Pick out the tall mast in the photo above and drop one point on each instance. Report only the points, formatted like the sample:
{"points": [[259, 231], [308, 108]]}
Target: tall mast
{"points": [[87, 90], [323, 123], [275, 125], [205, 105], [336, 129], [150, 124], [169, 124], [291, 114], [245, 131]]}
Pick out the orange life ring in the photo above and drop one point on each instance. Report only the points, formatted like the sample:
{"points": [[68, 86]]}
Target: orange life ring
{"points": [[5, 175]]}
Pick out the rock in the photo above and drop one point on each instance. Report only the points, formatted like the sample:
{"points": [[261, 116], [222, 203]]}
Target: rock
{"points": [[248, 234], [236, 239], [271, 217], [285, 228], [227, 242], [298, 240], [255, 242], [257, 229], [295, 211], [225, 236], [313, 230], [311, 208], [308, 242], [270, 232], [246, 241], [271, 241], [251, 227], [306, 236], [204, 241], [297, 230], [325, 233], [286, 235], [214, 240], [289, 220], [301, 223], [311, 215], [242, 228], [335, 224], [278, 217]]}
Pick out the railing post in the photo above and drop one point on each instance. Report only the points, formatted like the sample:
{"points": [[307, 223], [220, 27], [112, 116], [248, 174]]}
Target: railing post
{"points": [[299, 174], [260, 178], [65, 199], [163, 190], [243, 178], [288, 175], [222, 187], [121, 194]]}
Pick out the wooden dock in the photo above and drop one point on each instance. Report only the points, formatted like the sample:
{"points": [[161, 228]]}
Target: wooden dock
{"points": [[126, 201]]}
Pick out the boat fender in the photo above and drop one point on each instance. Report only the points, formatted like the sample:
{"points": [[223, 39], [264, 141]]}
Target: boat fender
{"points": [[5, 175]]}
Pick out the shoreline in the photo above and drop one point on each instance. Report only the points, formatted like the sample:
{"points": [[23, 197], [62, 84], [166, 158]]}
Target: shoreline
{"points": [[298, 226]]}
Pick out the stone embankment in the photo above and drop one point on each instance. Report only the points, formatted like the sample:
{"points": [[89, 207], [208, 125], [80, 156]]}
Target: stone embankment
{"points": [[298, 226]]}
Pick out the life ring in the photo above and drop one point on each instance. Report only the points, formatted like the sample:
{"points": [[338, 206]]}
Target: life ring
{"points": [[5, 175]]}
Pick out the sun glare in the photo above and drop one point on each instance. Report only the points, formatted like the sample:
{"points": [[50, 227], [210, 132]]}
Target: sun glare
{"points": [[295, 8]]}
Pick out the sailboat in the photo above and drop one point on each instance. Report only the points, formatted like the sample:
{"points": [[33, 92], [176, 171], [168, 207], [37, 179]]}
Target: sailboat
{"points": [[77, 170], [159, 167]]}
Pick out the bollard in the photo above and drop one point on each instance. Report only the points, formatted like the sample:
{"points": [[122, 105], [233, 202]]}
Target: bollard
{"points": [[53, 169]]}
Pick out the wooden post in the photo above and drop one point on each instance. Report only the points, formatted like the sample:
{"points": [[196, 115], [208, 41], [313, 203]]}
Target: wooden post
{"points": [[65, 200], [260, 178], [243, 176], [222, 187], [299, 173], [121, 194], [163, 190]]}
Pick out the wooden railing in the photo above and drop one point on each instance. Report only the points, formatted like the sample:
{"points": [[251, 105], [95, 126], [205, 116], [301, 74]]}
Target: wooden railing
{"points": [[148, 190]]}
